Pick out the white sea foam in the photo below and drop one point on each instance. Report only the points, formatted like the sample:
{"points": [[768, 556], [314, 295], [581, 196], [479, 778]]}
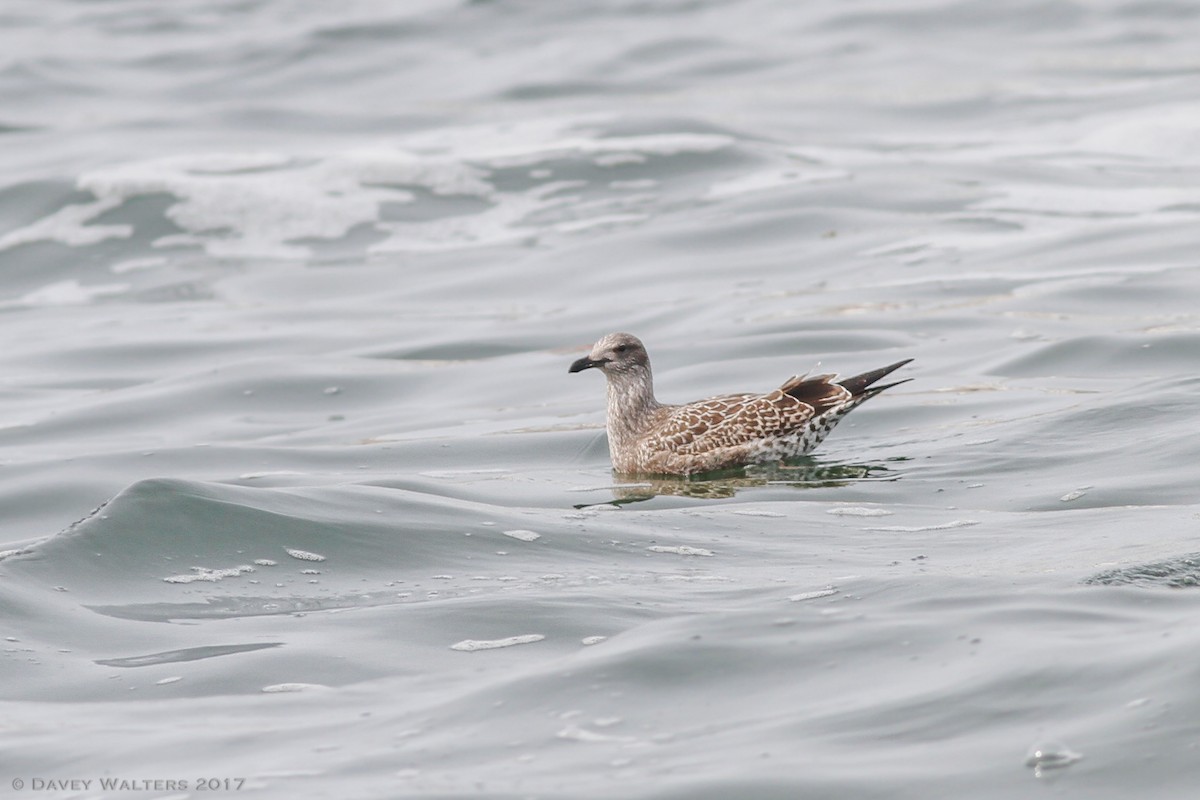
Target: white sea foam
{"points": [[285, 688], [813, 595], [246, 476], [771, 179], [471, 645], [577, 733], [679, 550], [70, 225], [857, 511], [942, 526], [523, 535], [303, 555], [209, 575], [267, 204], [70, 293]]}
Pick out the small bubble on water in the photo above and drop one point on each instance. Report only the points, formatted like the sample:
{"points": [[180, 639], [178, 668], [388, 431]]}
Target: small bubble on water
{"points": [[1050, 755]]}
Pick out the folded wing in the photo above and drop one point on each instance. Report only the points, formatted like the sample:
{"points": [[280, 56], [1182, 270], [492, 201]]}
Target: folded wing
{"points": [[739, 419], [733, 420]]}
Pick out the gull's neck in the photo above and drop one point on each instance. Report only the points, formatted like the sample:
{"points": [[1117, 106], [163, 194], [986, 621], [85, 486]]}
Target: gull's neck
{"points": [[631, 404]]}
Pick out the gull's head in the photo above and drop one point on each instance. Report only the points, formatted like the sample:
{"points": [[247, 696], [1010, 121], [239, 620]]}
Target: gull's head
{"points": [[614, 355]]}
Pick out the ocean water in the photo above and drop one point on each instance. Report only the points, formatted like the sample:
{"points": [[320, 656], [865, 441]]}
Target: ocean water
{"points": [[297, 498]]}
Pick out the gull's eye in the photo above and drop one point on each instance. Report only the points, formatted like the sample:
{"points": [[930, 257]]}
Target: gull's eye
{"points": [[621, 348]]}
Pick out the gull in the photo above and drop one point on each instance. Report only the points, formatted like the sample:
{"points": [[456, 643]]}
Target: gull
{"points": [[646, 437]]}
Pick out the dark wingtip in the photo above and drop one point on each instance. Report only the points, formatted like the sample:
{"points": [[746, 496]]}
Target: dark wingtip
{"points": [[874, 390], [859, 384]]}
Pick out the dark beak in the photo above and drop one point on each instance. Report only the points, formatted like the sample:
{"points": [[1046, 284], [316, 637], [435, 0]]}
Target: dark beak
{"points": [[585, 363]]}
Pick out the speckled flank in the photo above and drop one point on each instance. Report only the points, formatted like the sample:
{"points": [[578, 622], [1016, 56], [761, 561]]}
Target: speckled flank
{"points": [[648, 437]]}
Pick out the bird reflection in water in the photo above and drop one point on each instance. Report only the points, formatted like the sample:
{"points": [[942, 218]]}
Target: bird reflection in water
{"points": [[802, 473]]}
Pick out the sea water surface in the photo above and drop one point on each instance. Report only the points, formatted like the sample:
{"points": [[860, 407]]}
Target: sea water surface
{"points": [[297, 498]]}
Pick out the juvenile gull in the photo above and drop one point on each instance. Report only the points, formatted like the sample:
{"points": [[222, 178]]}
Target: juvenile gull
{"points": [[651, 438]]}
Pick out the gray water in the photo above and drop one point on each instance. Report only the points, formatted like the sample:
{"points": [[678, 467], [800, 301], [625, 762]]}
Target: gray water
{"points": [[288, 292]]}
